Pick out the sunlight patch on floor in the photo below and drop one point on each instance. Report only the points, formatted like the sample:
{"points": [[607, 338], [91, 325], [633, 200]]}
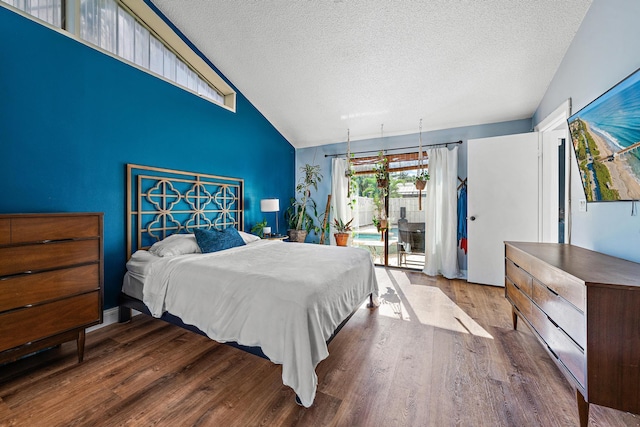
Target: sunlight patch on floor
{"points": [[420, 302]]}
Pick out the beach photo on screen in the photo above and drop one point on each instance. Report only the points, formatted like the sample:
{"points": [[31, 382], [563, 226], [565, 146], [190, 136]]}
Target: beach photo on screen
{"points": [[606, 139]]}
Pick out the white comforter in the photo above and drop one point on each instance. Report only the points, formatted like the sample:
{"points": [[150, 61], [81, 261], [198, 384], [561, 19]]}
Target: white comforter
{"points": [[286, 298]]}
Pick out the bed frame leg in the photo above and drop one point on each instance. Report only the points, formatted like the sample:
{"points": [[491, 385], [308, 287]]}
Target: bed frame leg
{"points": [[124, 314], [370, 305]]}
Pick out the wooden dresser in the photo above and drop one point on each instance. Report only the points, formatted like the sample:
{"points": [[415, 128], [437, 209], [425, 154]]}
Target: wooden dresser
{"points": [[584, 307], [51, 274]]}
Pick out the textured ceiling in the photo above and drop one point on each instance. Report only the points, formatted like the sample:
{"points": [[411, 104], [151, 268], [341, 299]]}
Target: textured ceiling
{"points": [[316, 68]]}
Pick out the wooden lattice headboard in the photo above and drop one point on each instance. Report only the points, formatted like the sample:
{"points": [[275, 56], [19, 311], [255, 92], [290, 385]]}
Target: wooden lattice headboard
{"points": [[161, 202]]}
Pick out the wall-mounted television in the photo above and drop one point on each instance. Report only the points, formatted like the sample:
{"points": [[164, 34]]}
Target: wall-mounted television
{"points": [[606, 139]]}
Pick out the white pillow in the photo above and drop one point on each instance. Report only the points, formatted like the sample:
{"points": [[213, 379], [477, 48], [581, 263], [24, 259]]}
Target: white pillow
{"points": [[248, 238], [176, 244]]}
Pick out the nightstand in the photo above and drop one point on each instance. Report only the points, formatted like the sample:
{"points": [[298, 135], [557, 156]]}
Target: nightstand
{"points": [[276, 237]]}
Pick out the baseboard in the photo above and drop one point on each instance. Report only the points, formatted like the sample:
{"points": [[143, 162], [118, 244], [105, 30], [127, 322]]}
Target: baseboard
{"points": [[109, 317]]}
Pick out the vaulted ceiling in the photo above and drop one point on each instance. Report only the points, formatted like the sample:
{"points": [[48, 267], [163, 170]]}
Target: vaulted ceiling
{"points": [[317, 68]]}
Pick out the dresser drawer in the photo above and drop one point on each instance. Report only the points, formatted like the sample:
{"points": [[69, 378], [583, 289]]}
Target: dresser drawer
{"points": [[58, 227], [31, 289], [518, 257], [517, 298], [19, 259], [30, 324], [565, 350], [563, 313], [564, 284], [5, 231], [519, 277]]}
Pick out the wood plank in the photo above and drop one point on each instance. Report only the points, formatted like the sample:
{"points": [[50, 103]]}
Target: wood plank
{"points": [[5, 231]]}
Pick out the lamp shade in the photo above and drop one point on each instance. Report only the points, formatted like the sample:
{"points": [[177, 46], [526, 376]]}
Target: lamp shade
{"points": [[269, 205]]}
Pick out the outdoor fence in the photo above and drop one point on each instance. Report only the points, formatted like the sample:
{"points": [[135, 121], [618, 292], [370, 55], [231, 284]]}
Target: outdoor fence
{"points": [[365, 210]]}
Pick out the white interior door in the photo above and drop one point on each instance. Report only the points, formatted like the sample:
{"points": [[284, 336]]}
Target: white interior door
{"points": [[503, 201]]}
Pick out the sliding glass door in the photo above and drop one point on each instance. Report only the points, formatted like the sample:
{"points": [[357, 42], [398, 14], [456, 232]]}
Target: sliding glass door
{"points": [[389, 219], [406, 217]]}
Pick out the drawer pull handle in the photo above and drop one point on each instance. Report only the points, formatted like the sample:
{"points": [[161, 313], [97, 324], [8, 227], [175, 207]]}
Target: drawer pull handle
{"points": [[554, 323], [56, 241], [552, 291]]}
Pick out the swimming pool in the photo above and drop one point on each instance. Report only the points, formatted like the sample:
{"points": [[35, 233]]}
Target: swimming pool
{"points": [[371, 235]]}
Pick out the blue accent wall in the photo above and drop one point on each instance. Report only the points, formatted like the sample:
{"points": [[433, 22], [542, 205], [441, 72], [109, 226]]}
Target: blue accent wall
{"points": [[603, 52], [71, 118]]}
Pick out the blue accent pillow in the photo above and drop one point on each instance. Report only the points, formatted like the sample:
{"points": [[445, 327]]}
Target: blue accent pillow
{"points": [[218, 240]]}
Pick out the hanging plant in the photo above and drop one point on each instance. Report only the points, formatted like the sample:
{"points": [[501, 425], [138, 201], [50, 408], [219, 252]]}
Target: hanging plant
{"points": [[422, 176], [380, 171], [352, 185], [350, 174], [380, 168], [380, 223], [421, 180]]}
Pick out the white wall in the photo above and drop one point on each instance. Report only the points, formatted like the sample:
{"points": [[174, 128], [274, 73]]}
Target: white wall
{"points": [[603, 52]]}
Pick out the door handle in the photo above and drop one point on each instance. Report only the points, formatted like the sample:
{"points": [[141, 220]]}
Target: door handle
{"points": [[473, 218]]}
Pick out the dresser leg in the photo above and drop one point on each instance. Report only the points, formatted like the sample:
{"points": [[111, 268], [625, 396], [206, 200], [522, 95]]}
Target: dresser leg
{"points": [[583, 409], [515, 318], [81, 336]]}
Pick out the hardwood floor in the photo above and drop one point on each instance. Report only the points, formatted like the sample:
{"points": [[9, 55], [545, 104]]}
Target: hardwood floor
{"points": [[435, 353]]}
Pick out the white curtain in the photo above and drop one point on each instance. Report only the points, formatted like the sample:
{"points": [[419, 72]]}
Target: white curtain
{"points": [[441, 252], [339, 200]]}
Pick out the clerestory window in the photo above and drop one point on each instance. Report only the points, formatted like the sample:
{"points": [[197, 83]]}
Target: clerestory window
{"points": [[130, 31], [47, 10]]}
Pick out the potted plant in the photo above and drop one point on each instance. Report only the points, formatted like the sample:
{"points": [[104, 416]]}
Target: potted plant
{"points": [[258, 228], [421, 179], [421, 182], [352, 183], [380, 223], [380, 214], [299, 220], [342, 231], [308, 224], [380, 171]]}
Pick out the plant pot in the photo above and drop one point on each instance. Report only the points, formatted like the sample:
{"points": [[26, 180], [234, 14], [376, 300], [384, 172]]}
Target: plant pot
{"points": [[383, 224], [297, 235], [341, 238], [420, 184]]}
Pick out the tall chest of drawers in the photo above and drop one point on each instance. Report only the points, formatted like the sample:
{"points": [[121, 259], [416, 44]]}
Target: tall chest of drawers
{"points": [[51, 275], [584, 307]]}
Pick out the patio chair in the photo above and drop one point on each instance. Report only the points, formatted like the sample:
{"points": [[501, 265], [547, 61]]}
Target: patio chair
{"points": [[410, 239]]}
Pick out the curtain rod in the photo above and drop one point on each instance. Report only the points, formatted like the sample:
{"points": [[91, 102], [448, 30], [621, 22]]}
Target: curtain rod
{"points": [[393, 149]]}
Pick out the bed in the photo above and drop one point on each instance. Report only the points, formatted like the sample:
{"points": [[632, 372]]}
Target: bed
{"points": [[279, 300]]}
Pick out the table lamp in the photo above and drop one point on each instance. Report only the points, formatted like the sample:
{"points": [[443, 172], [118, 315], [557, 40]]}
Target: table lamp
{"points": [[271, 205]]}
